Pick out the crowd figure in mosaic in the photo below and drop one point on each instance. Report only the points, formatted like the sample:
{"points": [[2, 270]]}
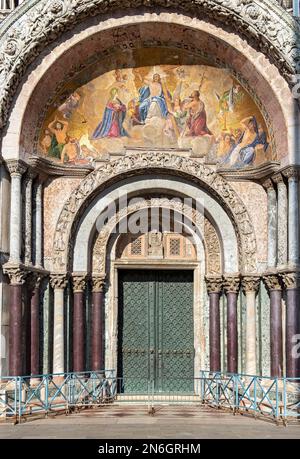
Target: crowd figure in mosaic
{"points": [[199, 108]]}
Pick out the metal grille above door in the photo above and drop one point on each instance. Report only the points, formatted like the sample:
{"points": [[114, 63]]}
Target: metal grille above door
{"points": [[156, 331]]}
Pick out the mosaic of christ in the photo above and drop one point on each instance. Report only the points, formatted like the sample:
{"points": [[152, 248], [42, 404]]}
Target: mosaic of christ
{"points": [[196, 107]]}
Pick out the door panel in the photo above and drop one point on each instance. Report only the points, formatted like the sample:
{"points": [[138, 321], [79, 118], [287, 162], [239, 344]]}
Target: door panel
{"points": [[156, 340]]}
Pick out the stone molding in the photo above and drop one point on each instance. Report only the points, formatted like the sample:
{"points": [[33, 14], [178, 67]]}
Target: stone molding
{"points": [[58, 281], [98, 282], [79, 281], [272, 281], [145, 162], [47, 167], [214, 284], [231, 283], [250, 283], [28, 30]]}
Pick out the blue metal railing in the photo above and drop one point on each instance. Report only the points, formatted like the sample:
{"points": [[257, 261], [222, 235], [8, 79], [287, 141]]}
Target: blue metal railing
{"points": [[275, 398]]}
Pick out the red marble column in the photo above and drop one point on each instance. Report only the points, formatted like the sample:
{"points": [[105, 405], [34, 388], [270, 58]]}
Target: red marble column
{"points": [[214, 287], [273, 284], [79, 323], [292, 284], [35, 329], [231, 287], [16, 355], [98, 323]]}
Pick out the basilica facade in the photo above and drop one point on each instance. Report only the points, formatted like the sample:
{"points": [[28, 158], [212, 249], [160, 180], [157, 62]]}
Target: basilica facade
{"points": [[149, 197]]}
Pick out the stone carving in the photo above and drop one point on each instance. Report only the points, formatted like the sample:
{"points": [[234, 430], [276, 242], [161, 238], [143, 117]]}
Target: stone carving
{"points": [[265, 24], [292, 173], [142, 162], [211, 240], [16, 167], [98, 282], [272, 282], [231, 283], [250, 283], [79, 282], [291, 280], [214, 284], [155, 244], [16, 274], [58, 280]]}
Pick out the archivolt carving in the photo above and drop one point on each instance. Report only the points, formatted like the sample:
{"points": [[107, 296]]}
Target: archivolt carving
{"points": [[32, 28], [166, 163], [206, 229]]}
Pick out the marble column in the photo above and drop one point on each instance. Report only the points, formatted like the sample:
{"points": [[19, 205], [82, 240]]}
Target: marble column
{"points": [[16, 169], [272, 223], [16, 355], [292, 284], [214, 289], [282, 222], [35, 325], [28, 216], [273, 284], [79, 282], [231, 286], [58, 282], [293, 211], [250, 285], [98, 318], [38, 224]]}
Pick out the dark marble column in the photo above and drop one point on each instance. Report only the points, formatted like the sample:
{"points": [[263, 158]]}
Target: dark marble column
{"points": [[214, 288], [35, 326], [231, 287], [292, 284], [273, 284], [79, 281], [98, 323], [16, 355]]}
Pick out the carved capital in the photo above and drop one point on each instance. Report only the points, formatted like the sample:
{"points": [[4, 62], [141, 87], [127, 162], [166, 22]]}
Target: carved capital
{"points": [[278, 179], [250, 283], [16, 274], [16, 167], [292, 173], [214, 284], [291, 280], [272, 281], [58, 281], [268, 184], [79, 282], [232, 283], [98, 282]]}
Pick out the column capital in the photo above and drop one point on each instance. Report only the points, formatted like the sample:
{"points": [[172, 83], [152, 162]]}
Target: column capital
{"points": [[250, 283], [58, 281], [272, 281], [291, 280], [268, 184], [292, 173], [214, 284], [278, 178], [231, 283], [16, 167], [16, 274], [79, 281], [98, 282]]}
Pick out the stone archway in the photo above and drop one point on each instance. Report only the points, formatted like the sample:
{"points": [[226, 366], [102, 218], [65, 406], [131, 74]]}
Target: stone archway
{"points": [[151, 162]]}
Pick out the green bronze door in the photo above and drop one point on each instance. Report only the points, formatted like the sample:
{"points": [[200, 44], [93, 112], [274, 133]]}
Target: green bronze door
{"points": [[156, 331]]}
